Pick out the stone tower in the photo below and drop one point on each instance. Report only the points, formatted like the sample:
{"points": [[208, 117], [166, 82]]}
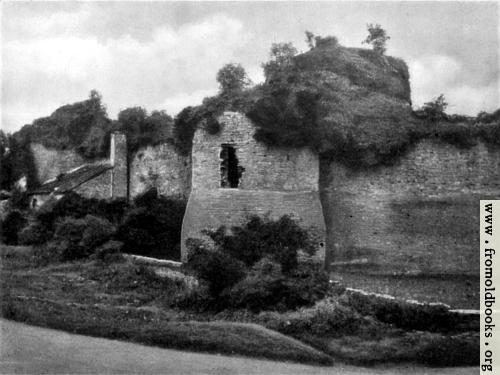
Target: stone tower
{"points": [[118, 159], [234, 176]]}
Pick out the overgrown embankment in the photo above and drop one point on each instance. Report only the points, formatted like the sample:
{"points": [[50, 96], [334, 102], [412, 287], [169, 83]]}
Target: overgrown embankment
{"points": [[116, 298], [353, 105]]}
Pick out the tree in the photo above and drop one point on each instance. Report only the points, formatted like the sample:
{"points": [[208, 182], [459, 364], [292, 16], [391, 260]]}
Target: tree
{"points": [[434, 110], [281, 57], [232, 78], [377, 37], [311, 42], [143, 129]]}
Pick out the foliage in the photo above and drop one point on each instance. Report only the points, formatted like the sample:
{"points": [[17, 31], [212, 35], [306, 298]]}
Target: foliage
{"points": [[152, 226], [377, 37], [76, 206], [16, 161], [281, 58], [206, 114], [327, 317], [259, 237], [109, 252], [219, 270], [232, 78], [255, 266], [487, 118], [265, 287], [35, 233], [142, 129], [311, 42], [318, 41], [78, 238], [11, 226], [434, 110], [429, 317], [83, 126]]}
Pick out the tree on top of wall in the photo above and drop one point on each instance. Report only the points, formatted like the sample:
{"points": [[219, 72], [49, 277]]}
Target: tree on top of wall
{"points": [[232, 78], [377, 37]]}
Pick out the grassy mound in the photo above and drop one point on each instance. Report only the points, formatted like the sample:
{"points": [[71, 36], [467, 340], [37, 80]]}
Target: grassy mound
{"points": [[143, 327], [126, 301]]}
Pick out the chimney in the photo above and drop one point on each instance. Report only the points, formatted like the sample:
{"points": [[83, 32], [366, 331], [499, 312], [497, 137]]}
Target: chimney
{"points": [[118, 159]]}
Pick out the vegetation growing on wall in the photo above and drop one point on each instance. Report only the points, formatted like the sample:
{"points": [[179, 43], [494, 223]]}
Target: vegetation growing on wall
{"points": [[353, 105], [83, 126], [143, 129], [16, 162], [232, 96], [348, 104]]}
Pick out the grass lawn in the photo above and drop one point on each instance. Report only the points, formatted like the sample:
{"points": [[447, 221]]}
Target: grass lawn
{"points": [[126, 301]]}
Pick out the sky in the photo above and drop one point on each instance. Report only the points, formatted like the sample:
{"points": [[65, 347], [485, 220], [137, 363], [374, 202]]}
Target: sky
{"points": [[165, 55]]}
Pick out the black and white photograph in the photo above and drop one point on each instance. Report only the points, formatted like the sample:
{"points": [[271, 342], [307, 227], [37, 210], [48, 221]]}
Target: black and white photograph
{"points": [[250, 187]]}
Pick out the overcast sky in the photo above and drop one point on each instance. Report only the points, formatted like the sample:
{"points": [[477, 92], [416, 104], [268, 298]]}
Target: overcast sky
{"points": [[165, 55]]}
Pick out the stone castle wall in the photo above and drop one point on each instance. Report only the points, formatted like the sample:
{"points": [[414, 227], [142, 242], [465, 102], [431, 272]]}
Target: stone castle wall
{"points": [[161, 167], [99, 187], [264, 168], [421, 215], [274, 182], [50, 163]]}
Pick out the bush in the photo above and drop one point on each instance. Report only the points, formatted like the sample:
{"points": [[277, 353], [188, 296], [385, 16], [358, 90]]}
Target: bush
{"points": [[78, 238], [266, 288], [258, 237], [34, 234], [326, 318], [263, 288], [109, 252], [76, 206], [153, 226], [219, 270], [11, 225]]}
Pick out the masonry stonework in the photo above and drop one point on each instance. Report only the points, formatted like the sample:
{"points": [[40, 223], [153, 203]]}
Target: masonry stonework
{"points": [[98, 187], [50, 163], [118, 159], [420, 215], [273, 181], [160, 166]]}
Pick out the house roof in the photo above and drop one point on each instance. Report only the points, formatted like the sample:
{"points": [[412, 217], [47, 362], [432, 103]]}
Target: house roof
{"points": [[66, 182]]}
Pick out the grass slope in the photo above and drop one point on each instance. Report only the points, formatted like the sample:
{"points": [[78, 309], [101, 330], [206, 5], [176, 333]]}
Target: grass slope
{"points": [[125, 301]]}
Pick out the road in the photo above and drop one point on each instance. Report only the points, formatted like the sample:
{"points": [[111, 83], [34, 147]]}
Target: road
{"points": [[32, 350]]}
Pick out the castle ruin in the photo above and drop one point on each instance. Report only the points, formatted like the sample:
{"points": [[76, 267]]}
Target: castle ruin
{"points": [[234, 176]]}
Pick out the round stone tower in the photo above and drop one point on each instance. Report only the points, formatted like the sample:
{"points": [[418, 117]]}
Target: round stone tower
{"points": [[234, 176]]}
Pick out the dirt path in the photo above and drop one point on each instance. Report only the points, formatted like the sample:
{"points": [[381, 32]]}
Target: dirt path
{"points": [[28, 350]]}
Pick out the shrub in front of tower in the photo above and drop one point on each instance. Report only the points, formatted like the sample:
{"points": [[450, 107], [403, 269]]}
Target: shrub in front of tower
{"points": [[256, 267], [259, 237], [265, 287], [217, 269]]}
